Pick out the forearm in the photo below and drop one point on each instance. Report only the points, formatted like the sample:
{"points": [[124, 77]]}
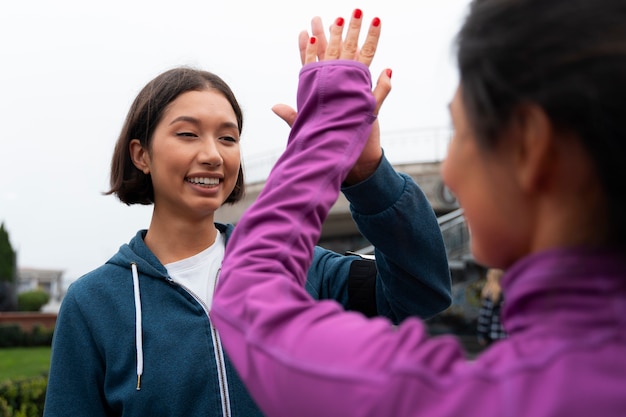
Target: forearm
{"points": [[269, 252], [393, 213]]}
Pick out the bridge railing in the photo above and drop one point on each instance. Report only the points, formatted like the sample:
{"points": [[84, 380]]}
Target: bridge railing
{"points": [[455, 235]]}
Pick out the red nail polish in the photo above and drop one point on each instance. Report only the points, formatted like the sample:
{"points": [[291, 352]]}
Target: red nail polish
{"points": [[312, 40], [388, 71], [376, 22], [357, 13], [339, 21]]}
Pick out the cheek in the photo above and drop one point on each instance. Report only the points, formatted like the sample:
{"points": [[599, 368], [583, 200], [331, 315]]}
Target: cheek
{"points": [[493, 248], [497, 227], [475, 197], [485, 239], [232, 163]]}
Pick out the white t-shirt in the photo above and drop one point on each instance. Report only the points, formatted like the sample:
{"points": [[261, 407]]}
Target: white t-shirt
{"points": [[199, 272]]}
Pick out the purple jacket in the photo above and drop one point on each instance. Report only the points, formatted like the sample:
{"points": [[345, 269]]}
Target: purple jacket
{"points": [[565, 311]]}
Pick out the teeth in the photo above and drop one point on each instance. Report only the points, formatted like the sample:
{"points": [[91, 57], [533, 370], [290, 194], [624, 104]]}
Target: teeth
{"points": [[204, 181]]}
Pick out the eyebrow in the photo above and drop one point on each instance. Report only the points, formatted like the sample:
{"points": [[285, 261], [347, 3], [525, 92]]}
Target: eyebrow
{"points": [[195, 121], [185, 119]]}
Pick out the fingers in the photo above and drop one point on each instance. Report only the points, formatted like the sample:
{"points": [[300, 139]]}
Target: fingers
{"points": [[311, 51], [317, 29], [382, 89], [351, 43], [368, 50], [317, 48], [303, 41], [285, 112], [333, 49]]}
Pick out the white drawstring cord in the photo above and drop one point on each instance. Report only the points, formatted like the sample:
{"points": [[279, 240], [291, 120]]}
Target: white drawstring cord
{"points": [[138, 329]]}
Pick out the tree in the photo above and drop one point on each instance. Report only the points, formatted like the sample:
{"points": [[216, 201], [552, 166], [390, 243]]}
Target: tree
{"points": [[8, 272]]}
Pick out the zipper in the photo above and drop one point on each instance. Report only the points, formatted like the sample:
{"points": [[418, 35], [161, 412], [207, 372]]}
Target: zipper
{"points": [[217, 350], [221, 369]]}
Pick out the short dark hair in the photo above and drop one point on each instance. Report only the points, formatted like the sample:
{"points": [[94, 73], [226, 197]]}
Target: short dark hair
{"points": [[128, 182], [566, 56]]}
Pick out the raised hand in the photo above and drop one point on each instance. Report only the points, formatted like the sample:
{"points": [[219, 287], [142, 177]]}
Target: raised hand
{"points": [[338, 48], [316, 47]]}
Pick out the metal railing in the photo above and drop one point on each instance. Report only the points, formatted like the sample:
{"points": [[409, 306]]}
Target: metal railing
{"points": [[455, 234], [456, 237]]}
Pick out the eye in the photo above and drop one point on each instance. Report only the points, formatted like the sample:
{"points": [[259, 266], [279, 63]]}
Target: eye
{"points": [[229, 139], [186, 134]]}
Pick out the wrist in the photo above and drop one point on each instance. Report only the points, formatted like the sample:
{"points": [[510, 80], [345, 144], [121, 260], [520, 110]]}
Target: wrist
{"points": [[362, 171]]}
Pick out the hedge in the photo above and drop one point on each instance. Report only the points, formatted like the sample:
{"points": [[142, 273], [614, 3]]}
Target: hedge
{"points": [[12, 335], [23, 398], [32, 300]]}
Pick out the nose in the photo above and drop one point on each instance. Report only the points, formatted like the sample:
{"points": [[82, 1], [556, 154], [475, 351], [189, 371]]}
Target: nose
{"points": [[210, 154]]}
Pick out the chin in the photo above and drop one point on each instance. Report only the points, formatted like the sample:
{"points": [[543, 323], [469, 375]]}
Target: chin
{"points": [[492, 257]]}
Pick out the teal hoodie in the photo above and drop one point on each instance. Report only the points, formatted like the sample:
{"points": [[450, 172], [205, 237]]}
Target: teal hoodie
{"points": [[100, 346]]}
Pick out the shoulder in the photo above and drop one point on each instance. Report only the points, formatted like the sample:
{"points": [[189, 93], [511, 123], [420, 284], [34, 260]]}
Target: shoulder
{"points": [[102, 279]]}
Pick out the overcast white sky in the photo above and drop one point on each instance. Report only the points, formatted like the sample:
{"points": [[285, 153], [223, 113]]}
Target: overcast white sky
{"points": [[70, 69]]}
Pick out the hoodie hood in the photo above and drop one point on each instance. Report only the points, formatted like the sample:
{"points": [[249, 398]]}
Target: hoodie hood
{"points": [[136, 252]]}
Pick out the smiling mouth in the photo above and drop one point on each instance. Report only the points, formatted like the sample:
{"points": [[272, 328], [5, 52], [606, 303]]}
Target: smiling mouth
{"points": [[204, 182]]}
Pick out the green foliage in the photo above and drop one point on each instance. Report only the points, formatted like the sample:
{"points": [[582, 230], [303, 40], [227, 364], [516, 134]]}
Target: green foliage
{"points": [[12, 335], [7, 257], [8, 275], [40, 336], [23, 397], [32, 300], [8, 299], [23, 381]]}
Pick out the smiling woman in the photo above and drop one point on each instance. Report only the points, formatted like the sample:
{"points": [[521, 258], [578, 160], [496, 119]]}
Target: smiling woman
{"points": [[193, 159], [133, 337]]}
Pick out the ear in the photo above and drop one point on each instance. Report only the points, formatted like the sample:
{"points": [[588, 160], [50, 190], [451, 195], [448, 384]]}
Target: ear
{"points": [[139, 155], [535, 154]]}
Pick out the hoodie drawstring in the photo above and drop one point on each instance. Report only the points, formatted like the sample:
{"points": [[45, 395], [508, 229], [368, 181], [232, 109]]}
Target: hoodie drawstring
{"points": [[138, 328]]}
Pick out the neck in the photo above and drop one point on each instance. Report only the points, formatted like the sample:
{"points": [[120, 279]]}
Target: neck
{"points": [[577, 217], [174, 239], [571, 207]]}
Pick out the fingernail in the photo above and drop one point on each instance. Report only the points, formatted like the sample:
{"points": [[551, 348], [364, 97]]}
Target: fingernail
{"points": [[312, 40], [389, 72], [376, 22], [339, 21], [357, 13]]}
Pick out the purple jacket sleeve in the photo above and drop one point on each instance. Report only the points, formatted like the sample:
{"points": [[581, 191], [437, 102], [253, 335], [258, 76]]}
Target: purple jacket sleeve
{"points": [[280, 340]]}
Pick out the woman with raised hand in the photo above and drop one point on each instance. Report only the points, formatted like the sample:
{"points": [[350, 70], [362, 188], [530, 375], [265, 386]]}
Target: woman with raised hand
{"points": [[536, 162], [133, 337]]}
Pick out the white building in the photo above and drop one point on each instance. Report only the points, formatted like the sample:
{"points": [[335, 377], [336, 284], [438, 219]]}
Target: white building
{"points": [[49, 280]]}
